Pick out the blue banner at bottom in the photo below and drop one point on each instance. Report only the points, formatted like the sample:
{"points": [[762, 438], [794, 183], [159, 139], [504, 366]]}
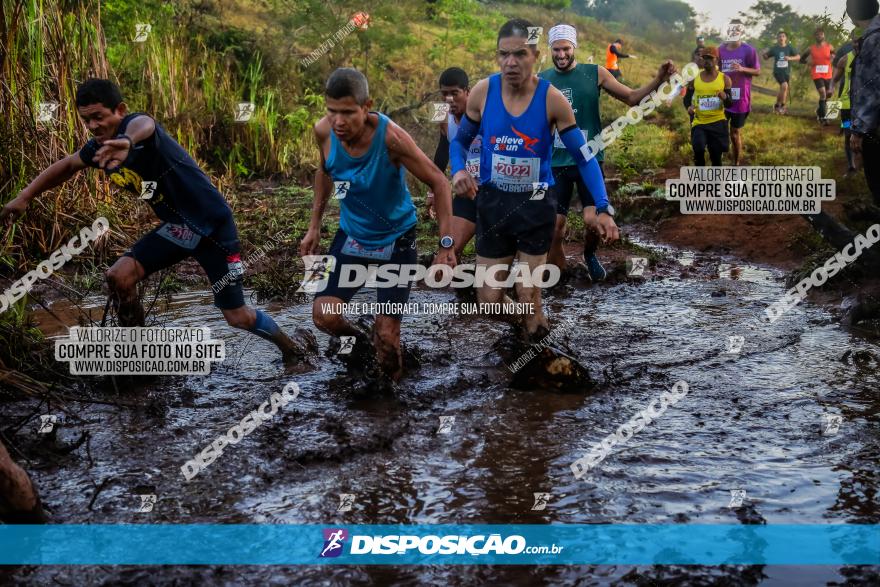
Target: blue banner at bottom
{"points": [[616, 544]]}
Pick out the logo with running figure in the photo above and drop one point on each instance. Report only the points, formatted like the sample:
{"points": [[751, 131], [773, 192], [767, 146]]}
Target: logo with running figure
{"points": [[446, 423], [46, 112], [340, 189], [737, 496], [535, 33], [832, 109], [541, 501], [832, 424], [317, 274], [346, 345], [333, 542], [637, 266], [735, 344], [528, 141], [47, 423], [440, 111], [346, 502], [148, 501], [148, 188], [244, 111], [141, 32], [539, 190]]}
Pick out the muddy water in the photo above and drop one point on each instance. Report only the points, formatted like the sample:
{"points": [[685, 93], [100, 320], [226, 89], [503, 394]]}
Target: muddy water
{"points": [[751, 421]]}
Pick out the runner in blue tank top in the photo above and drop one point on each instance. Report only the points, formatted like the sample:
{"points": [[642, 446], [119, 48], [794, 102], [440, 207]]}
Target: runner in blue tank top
{"points": [[363, 156], [516, 113]]}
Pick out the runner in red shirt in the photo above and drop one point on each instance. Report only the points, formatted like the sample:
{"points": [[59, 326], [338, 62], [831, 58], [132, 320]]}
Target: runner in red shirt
{"points": [[819, 56]]}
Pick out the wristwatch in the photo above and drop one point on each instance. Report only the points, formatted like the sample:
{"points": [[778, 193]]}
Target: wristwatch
{"points": [[446, 242], [609, 209]]}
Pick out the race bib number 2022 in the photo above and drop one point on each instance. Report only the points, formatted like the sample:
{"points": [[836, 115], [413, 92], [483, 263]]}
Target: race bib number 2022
{"points": [[515, 174]]}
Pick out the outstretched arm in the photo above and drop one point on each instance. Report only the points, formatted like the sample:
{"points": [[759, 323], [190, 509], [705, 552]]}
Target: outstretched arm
{"points": [[630, 96], [54, 175]]}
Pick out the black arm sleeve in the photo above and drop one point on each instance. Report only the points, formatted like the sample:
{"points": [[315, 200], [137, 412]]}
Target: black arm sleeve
{"points": [[441, 155], [688, 98], [617, 52]]}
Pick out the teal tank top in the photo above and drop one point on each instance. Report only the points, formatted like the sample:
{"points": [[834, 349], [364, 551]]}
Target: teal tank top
{"points": [[375, 205]]}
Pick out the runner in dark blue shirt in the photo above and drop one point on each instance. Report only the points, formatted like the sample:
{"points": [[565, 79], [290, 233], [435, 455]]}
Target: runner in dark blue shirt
{"points": [[139, 156]]}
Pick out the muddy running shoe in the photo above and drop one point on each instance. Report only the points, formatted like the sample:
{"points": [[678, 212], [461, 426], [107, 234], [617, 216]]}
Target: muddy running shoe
{"points": [[597, 271], [298, 349], [543, 361]]}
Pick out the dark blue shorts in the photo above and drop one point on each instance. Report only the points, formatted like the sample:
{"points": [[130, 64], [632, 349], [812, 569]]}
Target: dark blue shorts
{"points": [[509, 222], [404, 253], [219, 254]]}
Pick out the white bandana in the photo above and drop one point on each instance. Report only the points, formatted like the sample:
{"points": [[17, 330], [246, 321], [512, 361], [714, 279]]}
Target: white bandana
{"points": [[563, 32]]}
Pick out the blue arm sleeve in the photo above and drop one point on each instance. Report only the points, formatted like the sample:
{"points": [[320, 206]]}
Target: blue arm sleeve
{"points": [[591, 173], [459, 146]]}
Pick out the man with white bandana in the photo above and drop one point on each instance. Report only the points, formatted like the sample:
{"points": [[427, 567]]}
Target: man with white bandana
{"points": [[580, 84]]}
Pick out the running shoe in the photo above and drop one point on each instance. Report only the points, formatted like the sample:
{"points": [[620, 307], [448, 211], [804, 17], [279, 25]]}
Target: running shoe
{"points": [[597, 272]]}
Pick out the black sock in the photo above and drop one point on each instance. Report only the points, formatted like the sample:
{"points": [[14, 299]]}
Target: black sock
{"points": [[821, 108]]}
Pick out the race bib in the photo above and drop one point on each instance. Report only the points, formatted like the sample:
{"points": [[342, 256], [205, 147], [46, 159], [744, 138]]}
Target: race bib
{"points": [[355, 249], [179, 234], [473, 167], [734, 93], [515, 174], [822, 69], [781, 64], [711, 103]]}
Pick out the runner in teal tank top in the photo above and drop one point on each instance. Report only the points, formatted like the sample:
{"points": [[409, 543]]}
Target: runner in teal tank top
{"points": [[363, 157]]}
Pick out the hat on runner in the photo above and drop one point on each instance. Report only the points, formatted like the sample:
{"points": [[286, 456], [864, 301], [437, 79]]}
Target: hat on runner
{"points": [[563, 32], [701, 38], [710, 50], [861, 9]]}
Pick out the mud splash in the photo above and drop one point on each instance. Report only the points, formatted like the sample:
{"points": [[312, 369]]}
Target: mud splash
{"points": [[756, 421]]}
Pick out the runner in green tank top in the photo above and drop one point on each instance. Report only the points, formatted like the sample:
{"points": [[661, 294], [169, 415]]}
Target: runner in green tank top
{"points": [[580, 84]]}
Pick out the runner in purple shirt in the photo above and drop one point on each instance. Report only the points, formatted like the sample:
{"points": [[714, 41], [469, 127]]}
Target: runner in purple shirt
{"points": [[739, 61]]}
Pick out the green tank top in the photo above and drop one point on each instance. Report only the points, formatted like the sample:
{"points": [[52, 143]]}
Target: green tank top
{"points": [[580, 86]]}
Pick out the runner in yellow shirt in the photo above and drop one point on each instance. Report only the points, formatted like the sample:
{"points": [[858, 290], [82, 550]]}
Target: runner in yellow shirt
{"points": [[711, 95]]}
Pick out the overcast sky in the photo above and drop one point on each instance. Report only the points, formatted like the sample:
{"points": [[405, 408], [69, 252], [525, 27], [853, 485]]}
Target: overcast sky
{"points": [[721, 12]]}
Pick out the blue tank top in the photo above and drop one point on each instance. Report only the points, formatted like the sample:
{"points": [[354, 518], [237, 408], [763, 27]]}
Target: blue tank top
{"points": [[516, 149], [375, 204]]}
